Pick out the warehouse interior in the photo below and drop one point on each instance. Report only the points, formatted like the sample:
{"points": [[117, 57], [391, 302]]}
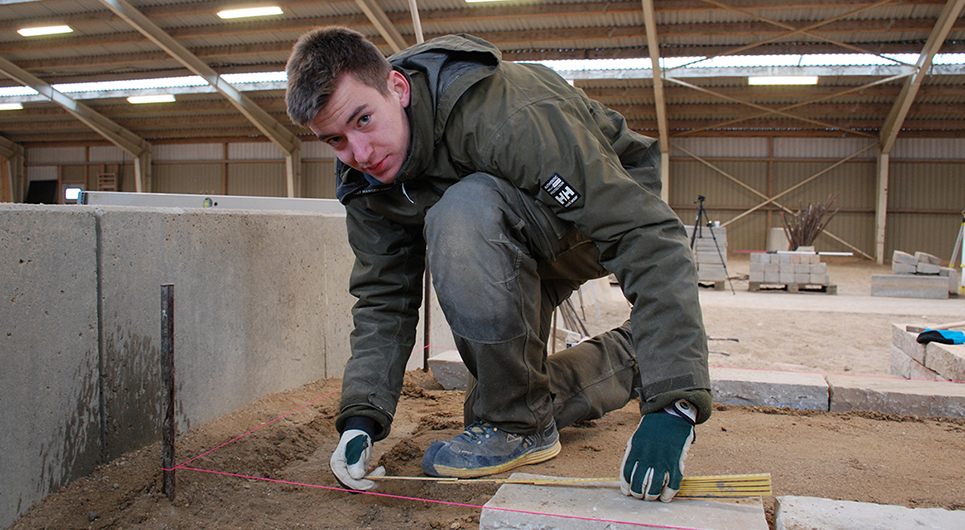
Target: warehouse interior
{"points": [[763, 108], [880, 130]]}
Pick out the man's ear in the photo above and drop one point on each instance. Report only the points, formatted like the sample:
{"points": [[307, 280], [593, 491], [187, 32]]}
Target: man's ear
{"points": [[399, 85]]}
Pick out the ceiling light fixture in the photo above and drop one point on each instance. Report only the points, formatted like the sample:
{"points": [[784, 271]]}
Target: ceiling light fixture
{"points": [[11, 106], [250, 12], [783, 80], [160, 98], [45, 30]]}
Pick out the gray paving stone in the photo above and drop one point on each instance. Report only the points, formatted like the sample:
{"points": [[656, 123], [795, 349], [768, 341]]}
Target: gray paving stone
{"points": [[809, 513], [903, 268], [897, 396], [903, 257], [449, 370], [527, 507], [924, 257], [947, 360], [904, 366], [907, 342], [954, 280], [734, 386], [909, 286]]}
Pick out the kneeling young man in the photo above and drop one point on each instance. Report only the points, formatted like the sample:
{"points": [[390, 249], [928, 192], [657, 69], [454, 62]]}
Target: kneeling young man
{"points": [[516, 188]]}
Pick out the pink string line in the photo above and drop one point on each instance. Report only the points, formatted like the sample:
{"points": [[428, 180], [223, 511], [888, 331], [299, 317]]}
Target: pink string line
{"points": [[894, 377], [449, 503], [236, 438], [400, 497]]}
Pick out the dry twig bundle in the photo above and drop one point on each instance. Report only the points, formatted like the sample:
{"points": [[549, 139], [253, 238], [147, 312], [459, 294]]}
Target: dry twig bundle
{"points": [[807, 224]]}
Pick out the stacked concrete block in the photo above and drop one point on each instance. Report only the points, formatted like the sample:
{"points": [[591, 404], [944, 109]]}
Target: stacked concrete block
{"points": [[765, 388], [795, 270], [916, 276], [710, 254], [933, 360], [892, 395], [807, 513]]}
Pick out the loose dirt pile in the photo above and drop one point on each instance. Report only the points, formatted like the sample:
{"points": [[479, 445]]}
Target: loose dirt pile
{"points": [[867, 457]]}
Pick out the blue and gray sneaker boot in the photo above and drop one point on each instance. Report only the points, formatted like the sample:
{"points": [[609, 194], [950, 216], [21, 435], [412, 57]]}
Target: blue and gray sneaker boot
{"points": [[484, 449]]}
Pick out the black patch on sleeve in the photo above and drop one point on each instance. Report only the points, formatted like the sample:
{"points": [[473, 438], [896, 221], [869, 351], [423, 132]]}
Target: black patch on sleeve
{"points": [[562, 193]]}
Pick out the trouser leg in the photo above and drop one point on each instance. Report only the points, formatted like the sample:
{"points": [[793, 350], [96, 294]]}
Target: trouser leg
{"points": [[593, 377], [480, 248], [500, 267]]}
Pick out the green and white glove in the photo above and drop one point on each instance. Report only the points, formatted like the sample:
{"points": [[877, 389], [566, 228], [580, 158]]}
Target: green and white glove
{"points": [[350, 461], [653, 465]]}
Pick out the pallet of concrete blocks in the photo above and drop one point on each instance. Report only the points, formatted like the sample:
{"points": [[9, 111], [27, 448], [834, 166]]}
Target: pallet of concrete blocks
{"points": [[710, 254], [916, 276], [793, 271]]}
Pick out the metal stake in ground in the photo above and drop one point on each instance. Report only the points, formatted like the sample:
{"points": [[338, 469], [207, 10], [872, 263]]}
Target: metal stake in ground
{"points": [[167, 380]]}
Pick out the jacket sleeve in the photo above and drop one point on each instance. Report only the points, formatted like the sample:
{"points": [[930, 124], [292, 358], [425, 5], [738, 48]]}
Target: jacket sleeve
{"points": [[560, 148], [387, 281]]}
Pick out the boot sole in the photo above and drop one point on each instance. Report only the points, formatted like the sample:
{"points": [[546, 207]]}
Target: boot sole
{"points": [[529, 458]]}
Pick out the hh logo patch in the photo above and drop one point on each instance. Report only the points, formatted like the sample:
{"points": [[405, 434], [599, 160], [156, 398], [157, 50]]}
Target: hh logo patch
{"points": [[562, 192]]}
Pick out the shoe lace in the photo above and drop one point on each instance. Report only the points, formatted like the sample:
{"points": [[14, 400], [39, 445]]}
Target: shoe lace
{"points": [[480, 431]]}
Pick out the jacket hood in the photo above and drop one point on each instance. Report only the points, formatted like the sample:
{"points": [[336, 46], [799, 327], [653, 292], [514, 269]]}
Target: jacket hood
{"points": [[439, 72]]}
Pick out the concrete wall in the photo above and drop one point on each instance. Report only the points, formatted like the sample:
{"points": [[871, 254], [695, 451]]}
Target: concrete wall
{"points": [[49, 421], [261, 305]]}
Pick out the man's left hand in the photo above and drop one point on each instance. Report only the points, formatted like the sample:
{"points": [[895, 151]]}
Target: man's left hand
{"points": [[653, 465]]}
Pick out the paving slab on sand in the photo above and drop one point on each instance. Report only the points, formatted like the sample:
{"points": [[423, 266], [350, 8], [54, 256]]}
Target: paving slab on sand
{"points": [[808, 513], [527, 507], [897, 396], [449, 370], [737, 386]]}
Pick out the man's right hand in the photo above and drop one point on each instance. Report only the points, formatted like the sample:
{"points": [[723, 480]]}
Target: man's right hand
{"points": [[350, 461]]}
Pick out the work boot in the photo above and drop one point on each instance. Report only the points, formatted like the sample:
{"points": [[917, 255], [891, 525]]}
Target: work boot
{"points": [[484, 449]]}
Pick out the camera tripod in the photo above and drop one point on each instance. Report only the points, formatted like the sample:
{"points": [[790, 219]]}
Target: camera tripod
{"points": [[699, 229]]}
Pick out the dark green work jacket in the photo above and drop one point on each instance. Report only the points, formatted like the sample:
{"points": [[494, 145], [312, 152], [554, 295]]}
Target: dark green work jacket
{"points": [[470, 112]]}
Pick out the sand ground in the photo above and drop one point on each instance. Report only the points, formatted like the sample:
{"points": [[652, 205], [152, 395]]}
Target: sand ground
{"points": [[867, 457]]}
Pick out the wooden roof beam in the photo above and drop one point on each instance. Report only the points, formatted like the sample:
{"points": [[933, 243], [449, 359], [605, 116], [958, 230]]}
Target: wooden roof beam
{"points": [[271, 128], [382, 23], [663, 136], [119, 136], [892, 125]]}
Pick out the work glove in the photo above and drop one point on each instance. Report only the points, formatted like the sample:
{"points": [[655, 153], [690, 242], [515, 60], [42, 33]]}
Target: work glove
{"points": [[943, 336], [653, 465], [350, 461]]}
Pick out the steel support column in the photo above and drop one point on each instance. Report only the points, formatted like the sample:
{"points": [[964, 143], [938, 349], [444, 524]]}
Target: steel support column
{"points": [[881, 205]]}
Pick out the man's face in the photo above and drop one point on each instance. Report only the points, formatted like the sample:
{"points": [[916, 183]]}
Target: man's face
{"points": [[367, 130]]}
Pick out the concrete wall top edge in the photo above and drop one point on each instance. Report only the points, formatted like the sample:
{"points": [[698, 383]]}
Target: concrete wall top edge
{"points": [[73, 208]]}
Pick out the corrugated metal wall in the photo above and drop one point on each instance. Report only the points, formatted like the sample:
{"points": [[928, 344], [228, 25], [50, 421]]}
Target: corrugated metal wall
{"points": [[187, 178], [925, 204], [926, 185], [318, 177], [264, 179], [926, 189]]}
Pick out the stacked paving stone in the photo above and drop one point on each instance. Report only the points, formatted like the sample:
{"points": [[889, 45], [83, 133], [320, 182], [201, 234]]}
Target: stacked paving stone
{"points": [[795, 271], [710, 256], [918, 276], [808, 391], [933, 360], [591, 507]]}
